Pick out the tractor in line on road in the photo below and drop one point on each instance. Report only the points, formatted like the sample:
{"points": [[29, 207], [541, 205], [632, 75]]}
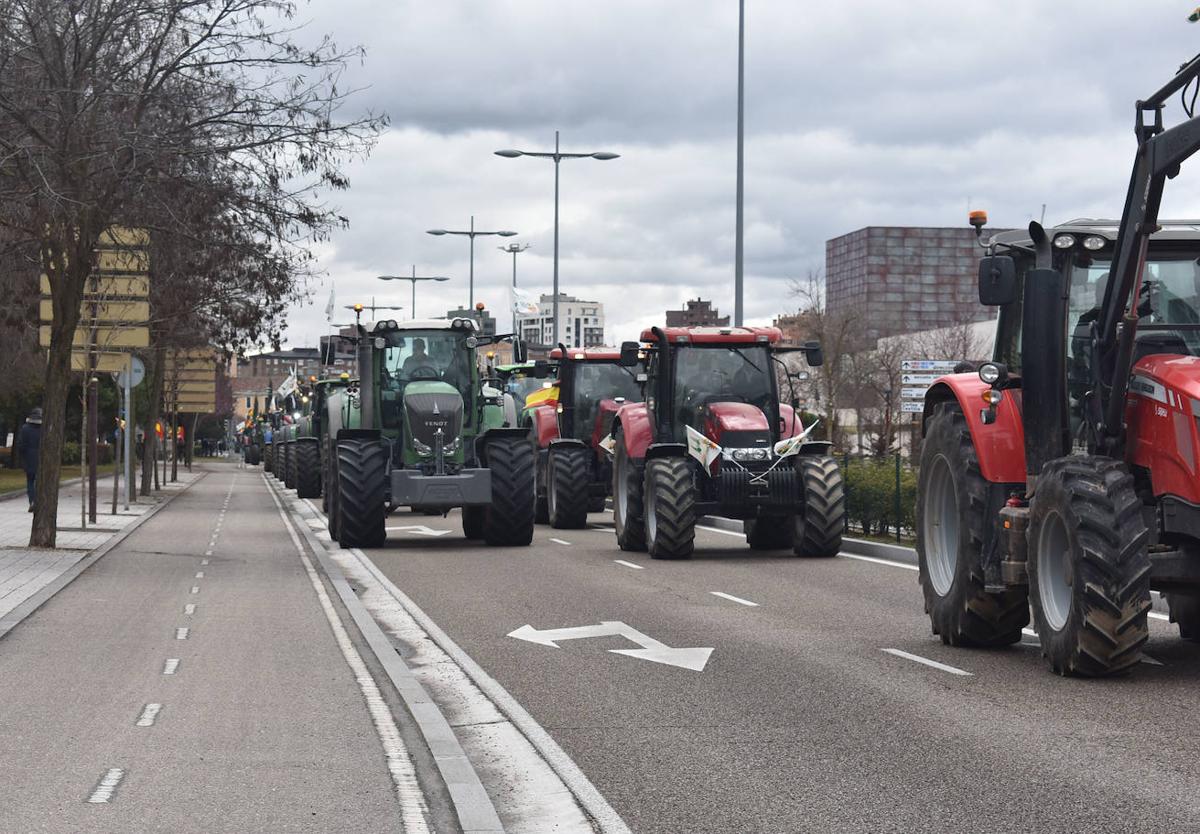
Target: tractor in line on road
{"points": [[1064, 476], [416, 430], [574, 467], [712, 437]]}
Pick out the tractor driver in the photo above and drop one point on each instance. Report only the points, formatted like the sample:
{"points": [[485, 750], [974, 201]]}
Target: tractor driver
{"points": [[419, 359]]}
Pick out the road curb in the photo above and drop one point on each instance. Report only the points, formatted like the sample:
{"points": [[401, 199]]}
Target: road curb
{"points": [[14, 618], [474, 808]]}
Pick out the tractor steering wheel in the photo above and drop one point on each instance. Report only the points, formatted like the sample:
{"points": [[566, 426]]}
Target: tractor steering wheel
{"points": [[424, 372]]}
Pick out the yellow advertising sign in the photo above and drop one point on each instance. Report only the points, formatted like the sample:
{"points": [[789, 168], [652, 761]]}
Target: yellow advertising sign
{"points": [[104, 337], [124, 236], [117, 312], [196, 405], [193, 388], [123, 260], [107, 362], [106, 286]]}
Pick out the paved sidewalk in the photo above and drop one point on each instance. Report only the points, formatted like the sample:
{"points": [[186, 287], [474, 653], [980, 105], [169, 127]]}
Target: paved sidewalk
{"points": [[24, 570]]}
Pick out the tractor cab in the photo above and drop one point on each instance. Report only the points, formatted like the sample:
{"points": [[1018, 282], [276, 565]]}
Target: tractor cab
{"points": [[592, 385]]}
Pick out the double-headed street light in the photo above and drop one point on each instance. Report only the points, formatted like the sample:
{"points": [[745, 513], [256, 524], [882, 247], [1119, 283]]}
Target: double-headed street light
{"points": [[414, 278], [558, 156], [358, 308], [514, 249], [472, 234]]}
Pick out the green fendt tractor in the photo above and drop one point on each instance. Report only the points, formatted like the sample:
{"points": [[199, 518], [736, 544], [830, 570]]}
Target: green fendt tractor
{"points": [[306, 458], [417, 431]]}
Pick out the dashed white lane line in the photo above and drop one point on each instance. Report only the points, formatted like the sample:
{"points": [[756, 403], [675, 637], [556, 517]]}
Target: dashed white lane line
{"points": [[171, 666], [1156, 615], [199, 574], [560, 541], [195, 589], [181, 634], [732, 598], [149, 713], [206, 553], [629, 564], [719, 530], [107, 786], [204, 562], [887, 562], [189, 609], [916, 658]]}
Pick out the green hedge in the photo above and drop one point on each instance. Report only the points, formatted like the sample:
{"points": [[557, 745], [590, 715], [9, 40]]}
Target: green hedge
{"points": [[70, 453], [871, 495]]}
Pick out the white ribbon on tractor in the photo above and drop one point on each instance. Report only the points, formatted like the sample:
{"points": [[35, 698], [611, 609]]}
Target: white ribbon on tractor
{"points": [[791, 445]]}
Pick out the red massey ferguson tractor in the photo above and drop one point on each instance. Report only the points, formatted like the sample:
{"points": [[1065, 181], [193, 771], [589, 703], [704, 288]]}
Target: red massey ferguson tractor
{"points": [[1065, 475], [712, 437], [574, 470]]}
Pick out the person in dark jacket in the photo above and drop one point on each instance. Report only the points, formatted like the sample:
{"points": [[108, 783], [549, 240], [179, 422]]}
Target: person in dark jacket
{"points": [[29, 438]]}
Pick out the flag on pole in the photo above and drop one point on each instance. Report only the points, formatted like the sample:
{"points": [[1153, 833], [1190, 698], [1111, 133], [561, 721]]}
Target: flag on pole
{"points": [[286, 387], [329, 307], [524, 303]]}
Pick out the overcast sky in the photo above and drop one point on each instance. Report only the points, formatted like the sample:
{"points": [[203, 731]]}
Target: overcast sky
{"points": [[857, 114]]}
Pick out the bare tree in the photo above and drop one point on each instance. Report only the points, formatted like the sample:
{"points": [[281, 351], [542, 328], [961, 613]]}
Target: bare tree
{"points": [[114, 111]]}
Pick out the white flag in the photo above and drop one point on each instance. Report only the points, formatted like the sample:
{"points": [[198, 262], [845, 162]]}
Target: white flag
{"points": [[329, 307], [701, 448], [286, 387], [523, 303]]}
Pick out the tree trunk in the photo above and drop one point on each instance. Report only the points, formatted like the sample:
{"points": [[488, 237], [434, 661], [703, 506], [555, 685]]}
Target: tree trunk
{"points": [[149, 470]]}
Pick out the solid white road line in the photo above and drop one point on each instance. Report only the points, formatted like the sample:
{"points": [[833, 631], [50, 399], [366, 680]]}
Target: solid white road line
{"points": [[413, 810], [629, 564], [887, 562], [1159, 616], [560, 541], [916, 658], [181, 634], [107, 786], [149, 713], [732, 598], [171, 666]]}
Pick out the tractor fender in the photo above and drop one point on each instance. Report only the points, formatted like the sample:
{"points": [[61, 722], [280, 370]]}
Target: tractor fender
{"points": [[560, 442], [544, 422], [816, 447], [634, 421], [1000, 446], [359, 434], [666, 450]]}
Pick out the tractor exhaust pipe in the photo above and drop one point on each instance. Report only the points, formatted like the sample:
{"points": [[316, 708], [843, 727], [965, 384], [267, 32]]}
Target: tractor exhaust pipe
{"points": [[663, 383], [366, 379], [1044, 381]]}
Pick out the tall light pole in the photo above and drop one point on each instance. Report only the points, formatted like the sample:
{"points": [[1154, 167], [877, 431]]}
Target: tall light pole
{"points": [[558, 156], [472, 234], [515, 249], [737, 234], [414, 278]]}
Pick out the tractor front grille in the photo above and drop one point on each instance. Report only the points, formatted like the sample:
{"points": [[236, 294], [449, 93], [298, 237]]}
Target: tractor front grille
{"points": [[780, 487]]}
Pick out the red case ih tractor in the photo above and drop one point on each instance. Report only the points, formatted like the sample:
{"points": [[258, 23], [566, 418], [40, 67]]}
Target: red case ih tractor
{"points": [[574, 472], [713, 438], [1064, 476]]}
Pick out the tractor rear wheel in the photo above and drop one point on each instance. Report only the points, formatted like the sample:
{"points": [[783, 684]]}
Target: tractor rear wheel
{"points": [[472, 522], [1089, 566], [277, 460], [508, 520], [362, 474], [332, 494], [289, 464], [820, 522], [951, 518], [1185, 612], [670, 509], [268, 456], [773, 532], [307, 454], [628, 506], [570, 472]]}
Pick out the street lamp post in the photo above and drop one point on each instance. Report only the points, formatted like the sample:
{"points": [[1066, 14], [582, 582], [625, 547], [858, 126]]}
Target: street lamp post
{"points": [[472, 234], [515, 249], [414, 278], [738, 221], [358, 308], [557, 156]]}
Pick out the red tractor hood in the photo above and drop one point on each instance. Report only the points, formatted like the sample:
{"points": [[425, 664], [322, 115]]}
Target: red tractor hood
{"points": [[1162, 411], [726, 418]]}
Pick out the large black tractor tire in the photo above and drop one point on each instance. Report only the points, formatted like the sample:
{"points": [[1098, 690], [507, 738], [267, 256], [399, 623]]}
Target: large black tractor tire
{"points": [[629, 509], [1185, 613], [362, 484], [1089, 566], [308, 468], [289, 464], [570, 471], [822, 519], [670, 509], [951, 518], [277, 461], [472, 521], [328, 481], [268, 456], [508, 520], [769, 532]]}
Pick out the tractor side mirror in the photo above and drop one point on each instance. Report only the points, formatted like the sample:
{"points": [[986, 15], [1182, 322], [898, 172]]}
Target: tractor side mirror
{"points": [[541, 369], [629, 354], [813, 354], [997, 280]]}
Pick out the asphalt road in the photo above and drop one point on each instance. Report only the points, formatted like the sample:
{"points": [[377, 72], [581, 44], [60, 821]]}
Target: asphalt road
{"points": [[800, 721], [261, 724]]}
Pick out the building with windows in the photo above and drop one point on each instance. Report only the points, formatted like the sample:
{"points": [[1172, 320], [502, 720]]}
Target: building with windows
{"points": [[697, 312], [580, 323]]}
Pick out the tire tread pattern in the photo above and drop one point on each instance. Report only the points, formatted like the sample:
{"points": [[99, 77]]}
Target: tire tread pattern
{"points": [[509, 518], [570, 472], [671, 488], [362, 473], [307, 454], [824, 511]]}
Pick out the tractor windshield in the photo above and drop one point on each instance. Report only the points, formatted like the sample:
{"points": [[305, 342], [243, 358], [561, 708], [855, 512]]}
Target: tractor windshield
{"points": [[722, 373], [596, 381], [427, 355], [1170, 295]]}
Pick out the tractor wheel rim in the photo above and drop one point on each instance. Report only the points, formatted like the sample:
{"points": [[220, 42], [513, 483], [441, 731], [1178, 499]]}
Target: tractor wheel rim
{"points": [[940, 525], [1053, 571]]}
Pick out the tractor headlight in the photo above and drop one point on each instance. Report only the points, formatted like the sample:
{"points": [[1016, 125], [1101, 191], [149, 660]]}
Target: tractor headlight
{"points": [[1064, 241], [1093, 242], [989, 373], [422, 448], [452, 447], [750, 454]]}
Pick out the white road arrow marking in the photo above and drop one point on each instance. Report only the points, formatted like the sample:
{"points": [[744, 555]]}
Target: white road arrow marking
{"points": [[695, 659], [420, 530]]}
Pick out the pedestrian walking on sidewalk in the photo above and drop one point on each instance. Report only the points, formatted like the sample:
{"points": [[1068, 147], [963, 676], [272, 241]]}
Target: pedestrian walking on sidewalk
{"points": [[29, 438]]}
